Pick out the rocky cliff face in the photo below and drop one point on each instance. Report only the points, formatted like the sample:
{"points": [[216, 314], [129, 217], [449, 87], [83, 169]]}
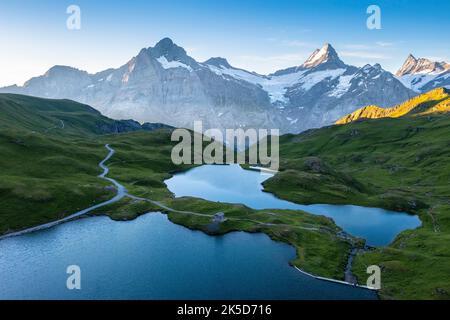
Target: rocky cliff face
{"points": [[163, 84]]}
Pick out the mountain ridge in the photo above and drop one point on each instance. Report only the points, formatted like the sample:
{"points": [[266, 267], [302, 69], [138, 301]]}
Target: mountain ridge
{"points": [[434, 101], [164, 84], [20, 112]]}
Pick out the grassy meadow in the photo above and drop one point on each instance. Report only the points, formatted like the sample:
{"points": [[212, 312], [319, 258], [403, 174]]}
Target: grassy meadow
{"points": [[50, 150]]}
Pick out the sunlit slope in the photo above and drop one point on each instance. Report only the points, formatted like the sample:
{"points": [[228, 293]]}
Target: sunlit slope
{"points": [[434, 101]]}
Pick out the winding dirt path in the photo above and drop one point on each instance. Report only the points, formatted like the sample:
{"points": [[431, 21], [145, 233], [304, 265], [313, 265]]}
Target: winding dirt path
{"points": [[121, 192], [433, 220]]}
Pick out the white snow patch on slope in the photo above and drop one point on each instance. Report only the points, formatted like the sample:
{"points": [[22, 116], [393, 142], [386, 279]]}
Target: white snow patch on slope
{"points": [[416, 81], [342, 87], [236, 73], [292, 121], [419, 79], [172, 64], [311, 79], [275, 86]]}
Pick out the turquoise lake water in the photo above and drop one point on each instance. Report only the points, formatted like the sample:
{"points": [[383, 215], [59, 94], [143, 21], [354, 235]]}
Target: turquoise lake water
{"points": [[233, 184], [152, 258]]}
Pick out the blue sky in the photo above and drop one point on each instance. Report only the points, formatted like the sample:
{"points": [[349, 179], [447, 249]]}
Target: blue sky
{"points": [[261, 36]]}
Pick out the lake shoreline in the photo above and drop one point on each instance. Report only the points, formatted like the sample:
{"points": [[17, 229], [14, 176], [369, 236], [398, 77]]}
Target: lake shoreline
{"points": [[163, 209], [274, 255]]}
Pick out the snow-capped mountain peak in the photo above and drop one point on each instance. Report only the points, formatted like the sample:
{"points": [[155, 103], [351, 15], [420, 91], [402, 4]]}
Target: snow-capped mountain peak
{"points": [[325, 58], [421, 74], [322, 55], [421, 65]]}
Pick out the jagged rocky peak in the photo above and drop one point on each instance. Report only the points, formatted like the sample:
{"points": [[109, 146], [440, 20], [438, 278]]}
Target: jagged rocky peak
{"points": [[371, 69], [218, 62], [167, 48], [408, 65], [412, 65], [165, 45], [321, 59], [326, 54], [377, 66]]}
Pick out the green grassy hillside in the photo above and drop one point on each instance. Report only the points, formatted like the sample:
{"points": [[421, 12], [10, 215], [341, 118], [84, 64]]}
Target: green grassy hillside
{"points": [[49, 169], [43, 178], [61, 117], [47, 116], [399, 164]]}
